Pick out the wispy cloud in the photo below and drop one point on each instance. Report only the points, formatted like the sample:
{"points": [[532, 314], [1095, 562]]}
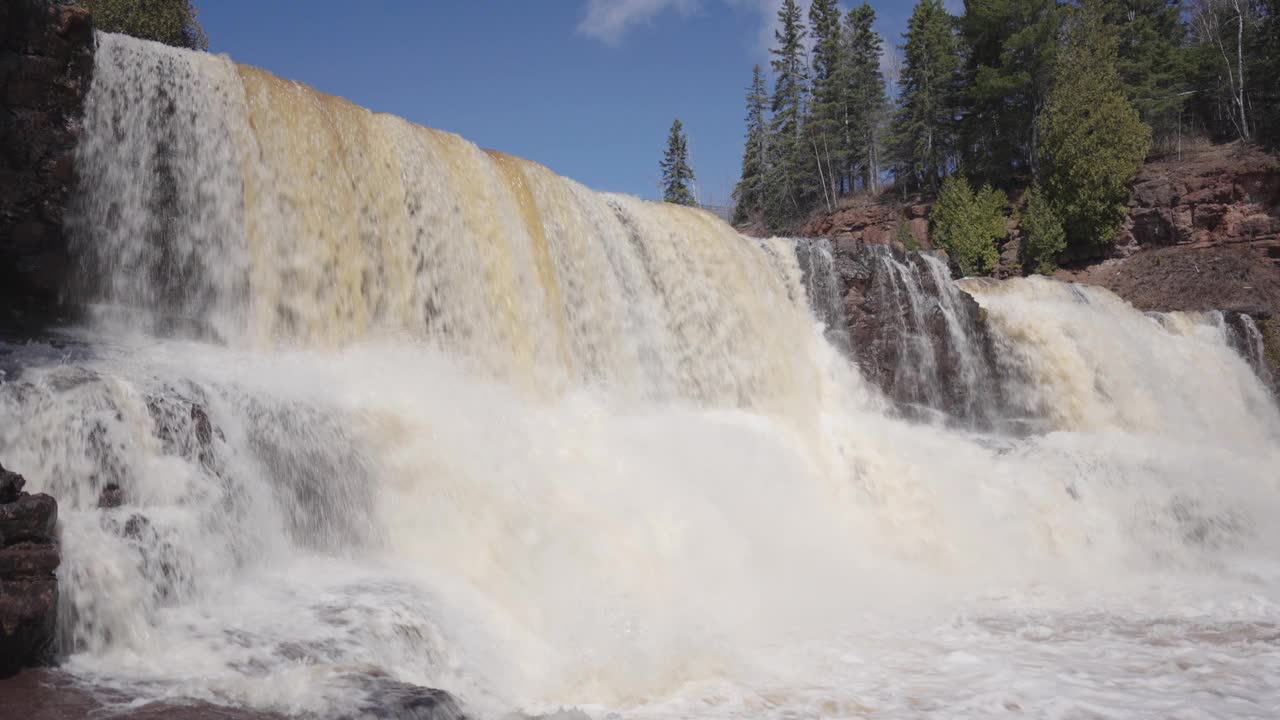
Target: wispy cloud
{"points": [[609, 20], [768, 12]]}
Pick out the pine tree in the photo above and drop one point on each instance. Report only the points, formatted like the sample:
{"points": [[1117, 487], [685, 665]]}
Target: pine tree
{"points": [[1008, 73], [924, 128], [1094, 140], [822, 127], [864, 98], [749, 193], [785, 195], [172, 22], [677, 176]]}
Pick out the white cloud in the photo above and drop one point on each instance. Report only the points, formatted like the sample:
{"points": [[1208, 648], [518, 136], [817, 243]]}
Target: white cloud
{"points": [[768, 11], [608, 20]]}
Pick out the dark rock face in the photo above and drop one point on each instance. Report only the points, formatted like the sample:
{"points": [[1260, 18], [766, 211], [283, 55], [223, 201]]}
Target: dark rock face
{"points": [[46, 60], [917, 336], [28, 589]]}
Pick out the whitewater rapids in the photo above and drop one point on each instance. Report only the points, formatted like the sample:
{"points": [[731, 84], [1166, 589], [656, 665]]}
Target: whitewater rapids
{"points": [[385, 405]]}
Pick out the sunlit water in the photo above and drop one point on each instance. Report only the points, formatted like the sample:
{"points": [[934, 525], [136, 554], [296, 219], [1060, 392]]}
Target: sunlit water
{"points": [[382, 404]]}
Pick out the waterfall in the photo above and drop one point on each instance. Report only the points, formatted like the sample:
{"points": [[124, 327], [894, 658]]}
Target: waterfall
{"points": [[384, 408]]}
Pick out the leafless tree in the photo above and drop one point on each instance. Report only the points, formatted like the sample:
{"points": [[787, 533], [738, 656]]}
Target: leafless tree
{"points": [[1221, 24]]}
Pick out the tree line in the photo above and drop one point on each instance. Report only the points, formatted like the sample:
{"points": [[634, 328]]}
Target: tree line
{"points": [[1055, 101]]}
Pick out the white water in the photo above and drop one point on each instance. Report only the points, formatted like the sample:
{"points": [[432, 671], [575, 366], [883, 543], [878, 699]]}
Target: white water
{"points": [[443, 416]]}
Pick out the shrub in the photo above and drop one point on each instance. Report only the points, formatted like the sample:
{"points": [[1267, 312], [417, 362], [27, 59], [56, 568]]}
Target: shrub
{"points": [[172, 22], [1043, 238], [968, 225]]}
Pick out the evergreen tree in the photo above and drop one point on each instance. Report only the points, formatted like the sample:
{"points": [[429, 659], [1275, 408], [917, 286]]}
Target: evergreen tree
{"points": [[864, 99], [1043, 238], [172, 22], [825, 113], [1008, 72], [677, 176], [924, 128], [785, 195], [1150, 59], [969, 225], [1094, 140], [749, 193]]}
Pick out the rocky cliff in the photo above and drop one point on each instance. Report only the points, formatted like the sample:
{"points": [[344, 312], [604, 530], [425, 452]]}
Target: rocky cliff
{"points": [[46, 60], [1220, 196]]}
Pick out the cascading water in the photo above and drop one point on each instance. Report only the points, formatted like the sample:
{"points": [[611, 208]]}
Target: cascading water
{"points": [[385, 407]]}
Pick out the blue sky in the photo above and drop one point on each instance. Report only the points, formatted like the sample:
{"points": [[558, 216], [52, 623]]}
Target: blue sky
{"points": [[586, 87]]}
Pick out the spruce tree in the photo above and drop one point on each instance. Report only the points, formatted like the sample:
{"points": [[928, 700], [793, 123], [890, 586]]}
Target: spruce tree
{"points": [[924, 128], [677, 176], [823, 125], [749, 193], [785, 194], [1094, 140], [1010, 47], [864, 98]]}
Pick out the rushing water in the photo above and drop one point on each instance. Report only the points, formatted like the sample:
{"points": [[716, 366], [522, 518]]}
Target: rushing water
{"points": [[386, 406]]}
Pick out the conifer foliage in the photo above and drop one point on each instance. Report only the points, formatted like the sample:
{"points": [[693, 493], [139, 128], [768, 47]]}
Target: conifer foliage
{"points": [[677, 176], [1094, 141], [969, 225], [1059, 99], [788, 183], [749, 193], [172, 22], [925, 126]]}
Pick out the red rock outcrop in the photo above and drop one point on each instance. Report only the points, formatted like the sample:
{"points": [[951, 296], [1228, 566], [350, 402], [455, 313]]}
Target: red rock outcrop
{"points": [[875, 222], [1223, 196]]}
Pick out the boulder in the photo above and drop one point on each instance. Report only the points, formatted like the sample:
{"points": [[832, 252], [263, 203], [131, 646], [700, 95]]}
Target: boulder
{"points": [[112, 496], [28, 588], [28, 560], [11, 485], [28, 613], [30, 518]]}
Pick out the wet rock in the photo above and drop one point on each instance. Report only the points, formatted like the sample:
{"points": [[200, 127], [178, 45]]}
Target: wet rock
{"points": [[46, 60], [916, 336], [29, 518], [28, 611], [28, 589], [11, 485], [28, 560], [112, 496], [389, 699]]}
